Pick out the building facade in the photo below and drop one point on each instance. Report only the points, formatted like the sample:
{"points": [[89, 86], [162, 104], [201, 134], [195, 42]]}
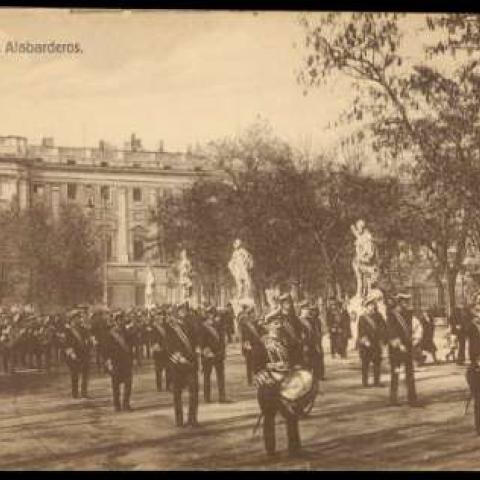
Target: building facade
{"points": [[119, 187]]}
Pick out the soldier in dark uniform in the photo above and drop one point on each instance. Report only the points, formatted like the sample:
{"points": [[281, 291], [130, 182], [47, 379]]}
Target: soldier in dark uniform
{"points": [[372, 336], [427, 342], [473, 370], [312, 339], [292, 328], [12, 335], [460, 321], [27, 342], [212, 343], [158, 339], [249, 336], [338, 323], [229, 320], [182, 348], [400, 348], [77, 345], [5, 329], [116, 346], [5, 342], [272, 360], [134, 319]]}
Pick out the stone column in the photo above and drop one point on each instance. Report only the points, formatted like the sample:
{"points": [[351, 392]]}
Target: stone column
{"points": [[122, 242], [152, 198], [23, 193], [56, 201]]}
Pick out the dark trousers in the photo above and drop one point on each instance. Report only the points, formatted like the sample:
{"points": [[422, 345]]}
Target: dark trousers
{"points": [[208, 365], [473, 380], [161, 365], [319, 363], [371, 356], [99, 361], [314, 360], [462, 340], [124, 377], [138, 353], [79, 374], [338, 344], [185, 379], [270, 404], [249, 366], [396, 361]]}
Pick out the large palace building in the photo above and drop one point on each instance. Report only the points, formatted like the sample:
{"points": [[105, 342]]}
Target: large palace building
{"points": [[118, 187]]}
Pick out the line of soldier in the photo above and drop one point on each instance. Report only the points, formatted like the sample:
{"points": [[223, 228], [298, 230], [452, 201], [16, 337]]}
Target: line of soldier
{"points": [[116, 339], [182, 340], [34, 341], [407, 336]]}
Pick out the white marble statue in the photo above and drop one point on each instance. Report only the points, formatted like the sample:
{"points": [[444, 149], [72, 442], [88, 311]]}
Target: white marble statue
{"points": [[185, 273], [364, 263], [149, 287], [241, 266], [366, 273]]}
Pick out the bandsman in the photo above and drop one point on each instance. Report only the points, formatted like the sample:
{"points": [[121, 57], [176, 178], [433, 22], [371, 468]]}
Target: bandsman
{"points": [[312, 339], [371, 338], [460, 324], [249, 336], [273, 361], [182, 349], [116, 343], [77, 346], [158, 338], [473, 369], [338, 322], [400, 334], [292, 328], [212, 344]]}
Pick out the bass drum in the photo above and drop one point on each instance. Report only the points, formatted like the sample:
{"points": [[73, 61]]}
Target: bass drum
{"points": [[298, 391]]}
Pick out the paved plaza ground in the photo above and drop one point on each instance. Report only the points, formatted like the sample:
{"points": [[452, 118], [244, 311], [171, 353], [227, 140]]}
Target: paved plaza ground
{"points": [[350, 427]]}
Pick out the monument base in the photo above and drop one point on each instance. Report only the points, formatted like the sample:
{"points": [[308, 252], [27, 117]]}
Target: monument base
{"points": [[355, 308]]}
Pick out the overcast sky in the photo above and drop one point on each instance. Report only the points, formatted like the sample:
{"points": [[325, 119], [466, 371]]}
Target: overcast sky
{"points": [[177, 76]]}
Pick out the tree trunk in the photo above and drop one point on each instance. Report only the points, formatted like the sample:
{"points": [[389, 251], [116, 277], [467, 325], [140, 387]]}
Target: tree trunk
{"points": [[441, 294], [451, 278]]}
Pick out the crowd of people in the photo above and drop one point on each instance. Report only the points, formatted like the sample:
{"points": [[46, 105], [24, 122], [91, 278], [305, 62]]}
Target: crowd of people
{"points": [[184, 342]]}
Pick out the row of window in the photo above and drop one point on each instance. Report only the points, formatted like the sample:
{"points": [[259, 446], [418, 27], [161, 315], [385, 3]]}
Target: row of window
{"points": [[105, 192]]}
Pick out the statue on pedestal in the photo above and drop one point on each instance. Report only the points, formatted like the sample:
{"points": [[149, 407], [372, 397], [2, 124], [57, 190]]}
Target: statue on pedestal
{"points": [[149, 288], [365, 261], [185, 273], [365, 266], [241, 266]]}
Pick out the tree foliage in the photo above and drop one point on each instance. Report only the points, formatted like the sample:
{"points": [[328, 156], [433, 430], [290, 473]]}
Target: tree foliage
{"points": [[429, 117], [293, 218], [56, 260]]}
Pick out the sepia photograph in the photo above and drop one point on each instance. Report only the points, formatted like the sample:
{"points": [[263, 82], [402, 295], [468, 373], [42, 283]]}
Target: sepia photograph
{"points": [[239, 240]]}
